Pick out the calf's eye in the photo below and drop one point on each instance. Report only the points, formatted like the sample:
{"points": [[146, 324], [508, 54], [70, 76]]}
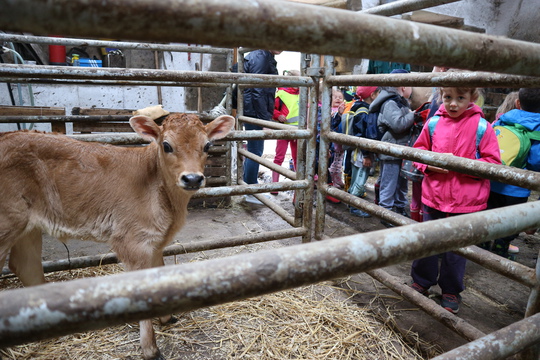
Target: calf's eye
{"points": [[207, 146], [167, 147]]}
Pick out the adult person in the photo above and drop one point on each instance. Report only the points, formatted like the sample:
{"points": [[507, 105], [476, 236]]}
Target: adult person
{"points": [[286, 111], [258, 103]]}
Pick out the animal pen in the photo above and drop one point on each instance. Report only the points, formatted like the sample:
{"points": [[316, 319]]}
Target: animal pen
{"points": [[498, 62]]}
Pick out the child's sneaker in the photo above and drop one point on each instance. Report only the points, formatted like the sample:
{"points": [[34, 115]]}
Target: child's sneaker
{"points": [[422, 290], [513, 249], [360, 213], [451, 302]]}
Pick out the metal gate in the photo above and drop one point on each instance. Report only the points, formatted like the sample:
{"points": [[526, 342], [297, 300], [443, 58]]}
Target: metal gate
{"points": [[217, 281]]}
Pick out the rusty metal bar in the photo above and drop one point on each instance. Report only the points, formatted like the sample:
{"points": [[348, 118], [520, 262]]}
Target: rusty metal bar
{"points": [[268, 134], [430, 79], [451, 321], [251, 189], [499, 344], [506, 174], [268, 124], [65, 72], [269, 164], [30, 39], [324, 147], [511, 269], [99, 82], [533, 305], [403, 6], [215, 22], [366, 206], [311, 151], [301, 145], [505, 267], [274, 207], [61, 118], [38, 312], [112, 138], [171, 250]]}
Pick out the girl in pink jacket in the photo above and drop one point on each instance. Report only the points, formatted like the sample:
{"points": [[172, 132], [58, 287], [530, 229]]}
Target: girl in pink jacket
{"points": [[459, 130]]}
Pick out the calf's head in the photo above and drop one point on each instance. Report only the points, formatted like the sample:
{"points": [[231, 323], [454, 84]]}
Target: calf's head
{"points": [[183, 142]]}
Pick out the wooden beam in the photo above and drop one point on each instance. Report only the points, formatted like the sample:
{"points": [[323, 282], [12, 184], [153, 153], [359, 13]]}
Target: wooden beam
{"points": [[6, 110]]}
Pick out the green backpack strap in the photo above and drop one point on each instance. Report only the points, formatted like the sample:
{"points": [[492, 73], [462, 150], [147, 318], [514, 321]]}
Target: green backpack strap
{"points": [[531, 134]]}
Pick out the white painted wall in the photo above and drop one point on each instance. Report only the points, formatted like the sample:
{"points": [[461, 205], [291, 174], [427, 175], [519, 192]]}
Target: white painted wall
{"points": [[516, 19], [114, 97]]}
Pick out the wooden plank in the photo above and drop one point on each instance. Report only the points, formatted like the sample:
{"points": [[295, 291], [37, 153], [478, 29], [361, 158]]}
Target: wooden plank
{"points": [[6, 110], [58, 127], [428, 17], [100, 111], [90, 127], [215, 171], [216, 160]]}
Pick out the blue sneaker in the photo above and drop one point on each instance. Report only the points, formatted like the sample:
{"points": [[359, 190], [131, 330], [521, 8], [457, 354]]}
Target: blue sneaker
{"points": [[360, 213], [451, 302]]}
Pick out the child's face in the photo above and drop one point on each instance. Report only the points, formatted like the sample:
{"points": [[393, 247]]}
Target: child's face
{"points": [[337, 99], [455, 103]]}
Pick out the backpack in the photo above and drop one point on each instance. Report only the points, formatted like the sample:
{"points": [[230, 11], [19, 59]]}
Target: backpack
{"points": [[410, 172], [371, 130], [347, 122], [515, 143]]}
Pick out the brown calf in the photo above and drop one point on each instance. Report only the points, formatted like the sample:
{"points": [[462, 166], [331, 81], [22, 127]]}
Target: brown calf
{"points": [[134, 198]]}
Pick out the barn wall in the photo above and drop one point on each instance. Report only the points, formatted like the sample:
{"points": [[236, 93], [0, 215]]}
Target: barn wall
{"points": [[175, 99]]}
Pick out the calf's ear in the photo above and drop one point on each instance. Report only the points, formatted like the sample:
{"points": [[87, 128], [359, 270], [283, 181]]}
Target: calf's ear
{"points": [[219, 127], [145, 127]]}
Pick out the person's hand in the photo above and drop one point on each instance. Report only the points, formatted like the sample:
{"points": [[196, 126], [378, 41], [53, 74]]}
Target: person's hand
{"points": [[366, 162], [282, 118], [437, 169], [341, 108]]}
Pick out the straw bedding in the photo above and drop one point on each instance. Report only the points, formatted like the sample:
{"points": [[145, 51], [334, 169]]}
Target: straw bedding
{"points": [[313, 322]]}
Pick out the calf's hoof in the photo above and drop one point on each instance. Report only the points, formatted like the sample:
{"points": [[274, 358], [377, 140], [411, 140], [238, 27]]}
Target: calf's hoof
{"points": [[169, 321], [157, 356]]}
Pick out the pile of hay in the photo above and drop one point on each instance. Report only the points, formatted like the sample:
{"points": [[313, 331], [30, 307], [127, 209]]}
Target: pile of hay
{"points": [[313, 322]]}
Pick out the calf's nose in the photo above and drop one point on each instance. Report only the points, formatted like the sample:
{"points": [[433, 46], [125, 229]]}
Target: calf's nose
{"points": [[192, 181]]}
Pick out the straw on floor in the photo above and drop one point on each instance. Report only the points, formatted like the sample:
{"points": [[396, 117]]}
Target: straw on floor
{"points": [[312, 322]]}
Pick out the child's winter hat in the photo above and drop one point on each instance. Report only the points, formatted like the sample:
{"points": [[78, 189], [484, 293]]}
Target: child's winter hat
{"points": [[363, 92]]}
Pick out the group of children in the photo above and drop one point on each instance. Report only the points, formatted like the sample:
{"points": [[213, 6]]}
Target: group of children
{"points": [[453, 125], [458, 128]]}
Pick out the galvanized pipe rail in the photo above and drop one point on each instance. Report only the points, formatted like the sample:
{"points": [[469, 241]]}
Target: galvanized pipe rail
{"points": [[451, 321], [430, 79], [403, 6], [320, 33], [38, 312], [269, 164], [506, 174], [99, 82], [31, 39], [60, 118], [251, 189], [54, 72], [171, 250], [500, 344], [490, 261]]}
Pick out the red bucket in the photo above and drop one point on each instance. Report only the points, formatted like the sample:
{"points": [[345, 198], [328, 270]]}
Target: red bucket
{"points": [[57, 54]]}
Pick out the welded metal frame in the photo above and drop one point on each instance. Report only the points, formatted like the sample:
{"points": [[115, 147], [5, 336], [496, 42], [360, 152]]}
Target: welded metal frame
{"points": [[286, 268]]}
